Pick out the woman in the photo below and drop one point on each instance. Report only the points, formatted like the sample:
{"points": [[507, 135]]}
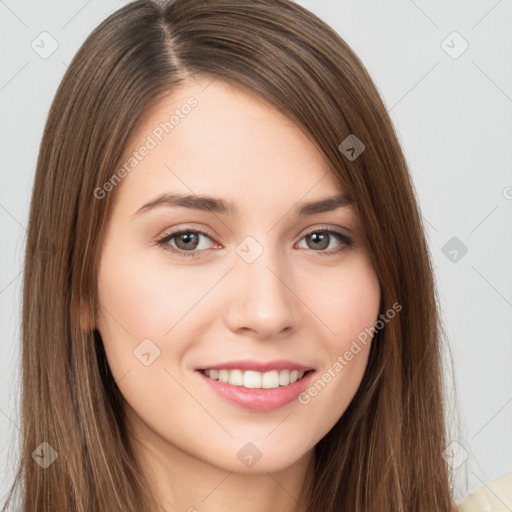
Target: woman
{"points": [[228, 299]]}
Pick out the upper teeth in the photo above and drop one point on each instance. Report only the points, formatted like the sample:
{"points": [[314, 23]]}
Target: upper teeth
{"points": [[252, 379]]}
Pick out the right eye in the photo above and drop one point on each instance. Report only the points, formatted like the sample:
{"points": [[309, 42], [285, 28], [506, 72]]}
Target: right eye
{"points": [[186, 242]]}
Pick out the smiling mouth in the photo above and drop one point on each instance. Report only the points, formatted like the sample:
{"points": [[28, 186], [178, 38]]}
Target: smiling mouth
{"points": [[256, 380]]}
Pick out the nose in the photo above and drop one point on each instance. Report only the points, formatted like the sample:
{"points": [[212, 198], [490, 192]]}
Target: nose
{"points": [[261, 300]]}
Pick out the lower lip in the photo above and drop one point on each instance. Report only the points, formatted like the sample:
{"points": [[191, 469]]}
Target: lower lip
{"points": [[259, 399]]}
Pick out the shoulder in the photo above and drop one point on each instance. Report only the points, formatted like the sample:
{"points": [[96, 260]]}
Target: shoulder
{"points": [[494, 496]]}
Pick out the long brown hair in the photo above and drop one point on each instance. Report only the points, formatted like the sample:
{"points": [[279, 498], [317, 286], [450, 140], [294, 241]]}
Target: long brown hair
{"points": [[385, 452]]}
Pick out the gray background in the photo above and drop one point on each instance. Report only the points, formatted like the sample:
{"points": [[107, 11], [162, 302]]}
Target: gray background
{"points": [[453, 116]]}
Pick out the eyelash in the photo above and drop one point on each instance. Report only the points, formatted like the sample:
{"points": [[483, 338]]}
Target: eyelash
{"points": [[346, 240]]}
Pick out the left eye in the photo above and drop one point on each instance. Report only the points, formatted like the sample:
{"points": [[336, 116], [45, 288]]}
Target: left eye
{"points": [[187, 242], [322, 240]]}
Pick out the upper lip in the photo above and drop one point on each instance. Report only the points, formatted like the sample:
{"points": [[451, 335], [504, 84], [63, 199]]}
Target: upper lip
{"points": [[258, 366]]}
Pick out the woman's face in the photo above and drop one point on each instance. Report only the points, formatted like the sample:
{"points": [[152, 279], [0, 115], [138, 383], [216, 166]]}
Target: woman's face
{"points": [[252, 290]]}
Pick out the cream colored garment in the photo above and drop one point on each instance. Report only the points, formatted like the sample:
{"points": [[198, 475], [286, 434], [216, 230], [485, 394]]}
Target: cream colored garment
{"points": [[494, 496]]}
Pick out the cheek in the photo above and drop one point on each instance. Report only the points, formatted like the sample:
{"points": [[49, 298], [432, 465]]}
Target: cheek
{"points": [[349, 308], [358, 310], [349, 301], [143, 292], [139, 300]]}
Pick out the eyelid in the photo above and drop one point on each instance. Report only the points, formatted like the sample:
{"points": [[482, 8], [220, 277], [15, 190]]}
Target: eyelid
{"points": [[162, 240], [346, 239], [187, 229], [326, 227]]}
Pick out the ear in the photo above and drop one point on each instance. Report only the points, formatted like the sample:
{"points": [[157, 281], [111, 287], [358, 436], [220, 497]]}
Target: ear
{"points": [[86, 317]]}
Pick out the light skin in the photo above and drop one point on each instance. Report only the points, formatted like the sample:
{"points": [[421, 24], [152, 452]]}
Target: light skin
{"points": [[294, 301]]}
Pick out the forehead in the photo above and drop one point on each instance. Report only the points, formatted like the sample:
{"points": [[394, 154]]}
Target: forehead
{"points": [[216, 139]]}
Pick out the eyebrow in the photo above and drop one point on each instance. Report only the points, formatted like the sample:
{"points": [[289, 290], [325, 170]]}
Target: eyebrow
{"points": [[218, 205]]}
